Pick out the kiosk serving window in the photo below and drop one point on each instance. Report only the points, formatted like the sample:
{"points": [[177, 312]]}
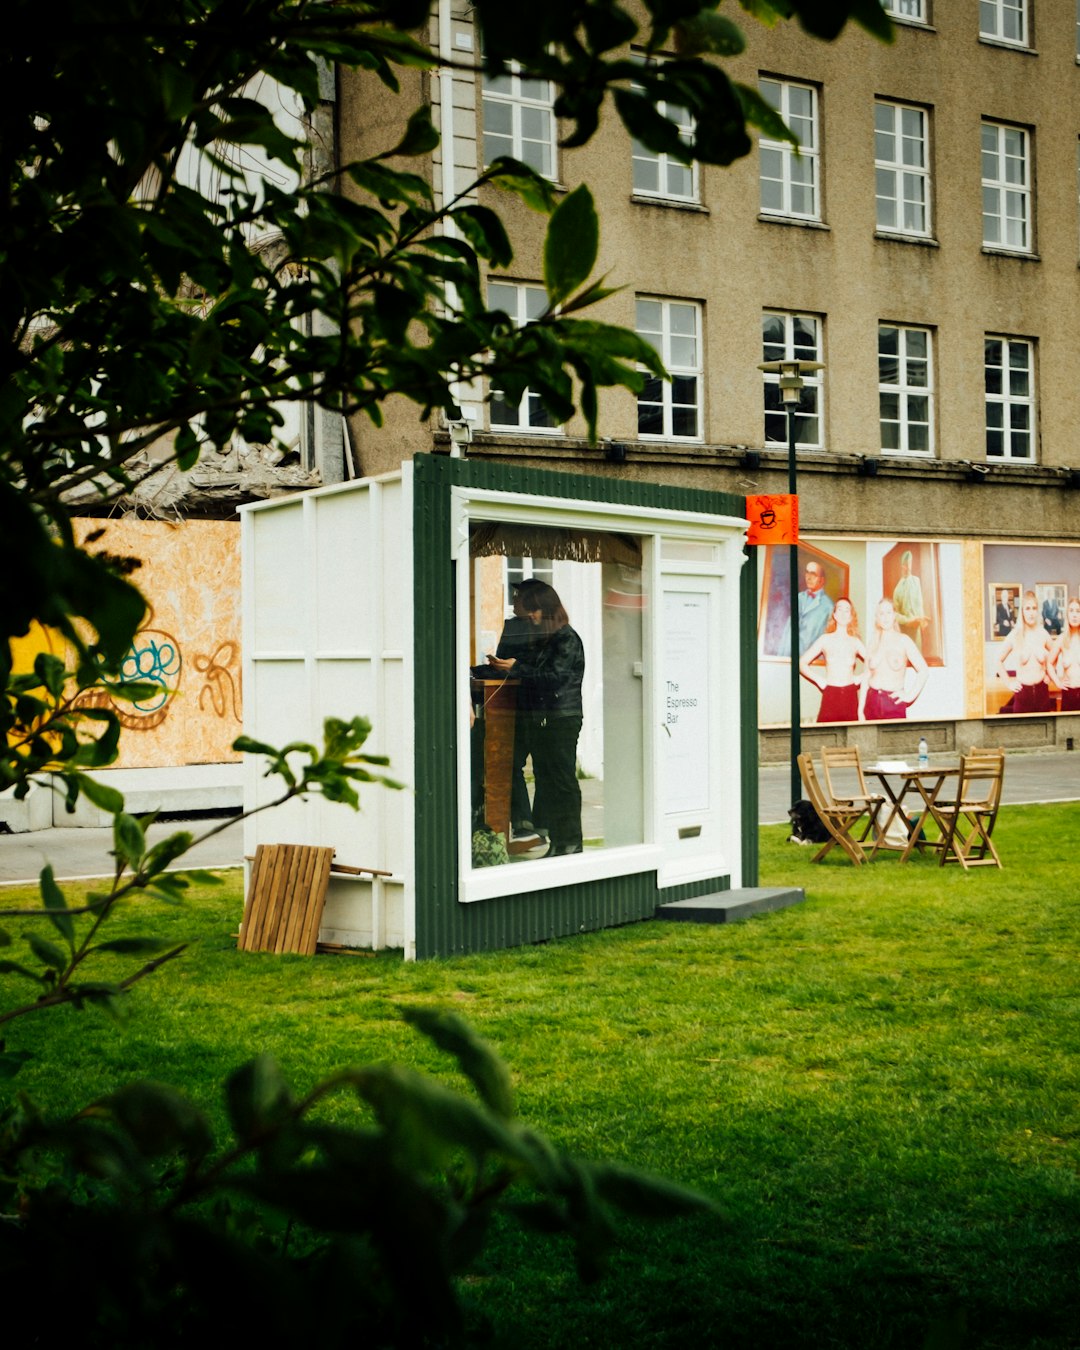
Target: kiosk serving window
{"points": [[556, 692], [598, 693]]}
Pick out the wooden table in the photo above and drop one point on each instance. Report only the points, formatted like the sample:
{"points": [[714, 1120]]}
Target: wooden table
{"points": [[923, 783]]}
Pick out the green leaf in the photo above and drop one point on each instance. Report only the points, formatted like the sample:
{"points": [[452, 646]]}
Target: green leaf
{"points": [[523, 181], [572, 243], [427, 1121], [54, 901], [132, 946], [708, 31], [478, 1061], [486, 232], [11, 1061], [258, 1098], [420, 136], [104, 798], [47, 952], [160, 1120], [644, 1196], [129, 842]]}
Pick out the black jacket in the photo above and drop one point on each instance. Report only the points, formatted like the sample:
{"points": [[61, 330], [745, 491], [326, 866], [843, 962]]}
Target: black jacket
{"points": [[552, 673]]}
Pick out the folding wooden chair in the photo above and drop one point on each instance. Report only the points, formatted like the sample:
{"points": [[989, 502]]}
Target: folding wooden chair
{"points": [[968, 822], [844, 772], [838, 817]]}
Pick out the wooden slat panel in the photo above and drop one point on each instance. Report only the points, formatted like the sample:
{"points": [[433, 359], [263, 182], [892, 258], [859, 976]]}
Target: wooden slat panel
{"points": [[286, 899]]}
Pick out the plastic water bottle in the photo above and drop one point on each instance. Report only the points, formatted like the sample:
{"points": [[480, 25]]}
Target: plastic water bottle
{"points": [[924, 753]]}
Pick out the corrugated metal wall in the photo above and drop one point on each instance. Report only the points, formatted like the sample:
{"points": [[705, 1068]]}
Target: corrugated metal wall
{"points": [[443, 926]]}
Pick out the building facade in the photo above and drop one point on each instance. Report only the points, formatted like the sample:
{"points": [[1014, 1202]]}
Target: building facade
{"points": [[923, 245]]}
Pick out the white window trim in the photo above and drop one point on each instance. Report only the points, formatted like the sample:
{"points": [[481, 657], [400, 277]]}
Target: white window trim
{"points": [[807, 153], [906, 391], [811, 380], [653, 526], [1001, 186], [997, 34], [1008, 400], [664, 161], [517, 102], [899, 169], [902, 10], [696, 372], [522, 425]]}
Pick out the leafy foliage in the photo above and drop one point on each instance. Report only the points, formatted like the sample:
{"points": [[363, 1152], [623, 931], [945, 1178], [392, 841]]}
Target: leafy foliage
{"points": [[158, 290], [312, 1226], [58, 973], [162, 291]]}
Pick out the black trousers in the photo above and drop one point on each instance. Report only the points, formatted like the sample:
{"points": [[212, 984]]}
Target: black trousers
{"points": [[555, 761]]}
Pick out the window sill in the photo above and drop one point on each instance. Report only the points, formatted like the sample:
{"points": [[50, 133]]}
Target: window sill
{"points": [[907, 454], [902, 22], [989, 251], [799, 222], [497, 429], [671, 203], [646, 439], [1005, 45], [899, 237]]}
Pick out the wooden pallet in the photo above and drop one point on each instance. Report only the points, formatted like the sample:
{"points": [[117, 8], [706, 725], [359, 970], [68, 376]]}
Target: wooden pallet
{"points": [[285, 899]]}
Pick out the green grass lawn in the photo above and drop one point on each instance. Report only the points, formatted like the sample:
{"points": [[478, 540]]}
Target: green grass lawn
{"points": [[879, 1087]]}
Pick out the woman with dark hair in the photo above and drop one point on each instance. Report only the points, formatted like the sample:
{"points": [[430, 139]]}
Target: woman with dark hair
{"points": [[552, 672]]}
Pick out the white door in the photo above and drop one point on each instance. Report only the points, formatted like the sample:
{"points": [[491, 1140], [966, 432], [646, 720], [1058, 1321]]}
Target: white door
{"points": [[694, 795]]}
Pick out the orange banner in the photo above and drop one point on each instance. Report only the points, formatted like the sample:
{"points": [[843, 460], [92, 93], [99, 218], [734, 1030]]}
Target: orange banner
{"points": [[774, 519]]}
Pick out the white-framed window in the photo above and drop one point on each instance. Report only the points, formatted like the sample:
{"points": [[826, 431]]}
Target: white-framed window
{"points": [[793, 337], [522, 303], [914, 11], [1010, 398], [1004, 21], [790, 180], [525, 569], [658, 174], [905, 390], [671, 409], [1006, 187], [519, 120], [902, 168]]}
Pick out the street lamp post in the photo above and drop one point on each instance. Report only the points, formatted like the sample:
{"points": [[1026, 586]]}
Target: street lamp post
{"points": [[791, 382]]}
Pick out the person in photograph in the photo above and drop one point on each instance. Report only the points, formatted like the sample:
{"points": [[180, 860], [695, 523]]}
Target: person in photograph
{"points": [[1023, 662], [1003, 615], [891, 655], [842, 650], [552, 673], [814, 608], [1065, 659], [907, 600], [1051, 615]]}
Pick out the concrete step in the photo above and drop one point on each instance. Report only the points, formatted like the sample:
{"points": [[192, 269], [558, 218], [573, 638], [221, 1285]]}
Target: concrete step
{"points": [[727, 906]]}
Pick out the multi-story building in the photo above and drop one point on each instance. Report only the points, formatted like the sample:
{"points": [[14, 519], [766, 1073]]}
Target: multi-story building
{"points": [[923, 245]]}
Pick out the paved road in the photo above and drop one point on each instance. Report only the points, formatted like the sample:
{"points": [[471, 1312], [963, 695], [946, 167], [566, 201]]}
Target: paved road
{"points": [[1028, 778], [85, 853]]}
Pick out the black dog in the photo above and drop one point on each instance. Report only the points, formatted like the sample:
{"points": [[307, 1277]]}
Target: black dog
{"points": [[806, 825]]}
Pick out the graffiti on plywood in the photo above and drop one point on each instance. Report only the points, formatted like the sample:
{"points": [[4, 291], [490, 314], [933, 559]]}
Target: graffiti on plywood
{"points": [[154, 659], [221, 687]]}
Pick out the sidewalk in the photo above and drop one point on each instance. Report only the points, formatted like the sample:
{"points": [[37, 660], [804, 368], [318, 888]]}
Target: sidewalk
{"points": [[81, 853], [1028, 778]]}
